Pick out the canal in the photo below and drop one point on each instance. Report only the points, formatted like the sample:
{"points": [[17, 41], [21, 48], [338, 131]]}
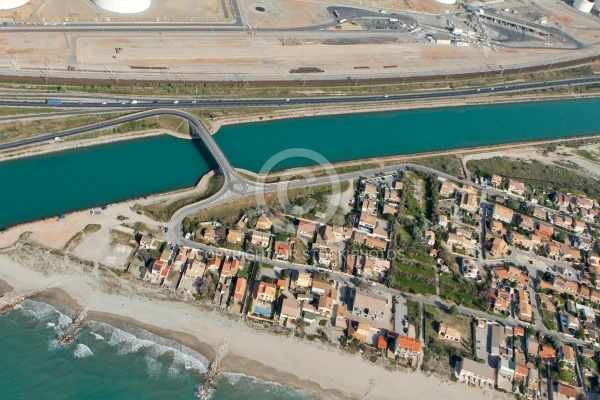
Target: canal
{"points": [[52, 184]]}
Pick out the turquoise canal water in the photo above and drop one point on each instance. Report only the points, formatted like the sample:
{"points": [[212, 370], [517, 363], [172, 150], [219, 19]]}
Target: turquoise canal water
{"points": [[53, 184], [107, 362], [49, 185], [350, 137]]}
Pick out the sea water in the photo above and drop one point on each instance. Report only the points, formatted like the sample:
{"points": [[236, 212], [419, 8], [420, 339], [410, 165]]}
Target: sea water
{"points": [[108, 362]]}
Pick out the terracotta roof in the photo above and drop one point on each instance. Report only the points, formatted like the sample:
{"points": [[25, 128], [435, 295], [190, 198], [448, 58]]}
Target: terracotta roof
{"points": [[406, 342], [381, 342], [568, 391]]}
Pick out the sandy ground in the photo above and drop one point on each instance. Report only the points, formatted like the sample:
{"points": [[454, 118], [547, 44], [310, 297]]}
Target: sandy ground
{"points": [[283, 14], [271, 357]]}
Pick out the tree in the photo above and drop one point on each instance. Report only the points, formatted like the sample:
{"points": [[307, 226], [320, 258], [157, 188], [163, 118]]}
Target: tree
{"points": [[285, 273], [453, 310], [530, 331]]}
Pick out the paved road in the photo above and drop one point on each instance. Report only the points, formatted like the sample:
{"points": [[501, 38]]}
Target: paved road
{"points": [[303, 101]]}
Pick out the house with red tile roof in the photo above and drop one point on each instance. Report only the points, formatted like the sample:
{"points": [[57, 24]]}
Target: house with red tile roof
{"points": [[548, 353], [307, 228], [240, 289], [408, 347], [282, 251]]}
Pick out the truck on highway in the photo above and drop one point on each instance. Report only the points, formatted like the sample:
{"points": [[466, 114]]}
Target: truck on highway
{"points": [[393, 20], [341, 21], [53, 101], [133, 101]]}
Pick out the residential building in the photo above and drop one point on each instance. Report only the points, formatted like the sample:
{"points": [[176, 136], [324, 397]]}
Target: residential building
{"points": [[568, 355], [565, 392], [501, 306], [563, 221], [374, 266], [362, 332], [408, 347], [496, 180], [539, 213], [368, 304], [442, 221], [369, 206], [578, 226], [260, 239], [503, 214], [192, 275], [290, 309], [447, 189], [584, 202], [469, 268], [498, 247], [265, 291], [398, 185], [562, 200], [264, 223], [497, 340], [282, 251], [547, 354], [469, 202], [367, 220], [527, 223], [210, 234], [516, 187], [521, 372], [506, 368], [303, 280], [370, 190], [429, 238], [544, 229], [234, 236], [447, 332], [389, 209], [240, 289], [464, 232], [472, 372], [325, 306], [307, 228], [320, 288], [497, 227], [325, 256], [391, 196], [459, 241], [148, 242]]}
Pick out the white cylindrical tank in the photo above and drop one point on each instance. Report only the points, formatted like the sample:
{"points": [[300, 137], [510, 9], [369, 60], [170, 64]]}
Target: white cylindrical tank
{"points": [[446, 1], [583, 5], [6, 4], [123, 6], [597, 5]]}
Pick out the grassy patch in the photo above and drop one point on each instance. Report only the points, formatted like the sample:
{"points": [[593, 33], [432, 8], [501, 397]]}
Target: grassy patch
{"points": [[549, 320], [10, 111], [587, 155], [78, 237], [163, 211], [414, 286], [461, 292], [542, 176], [449, 164], [20, 130]]}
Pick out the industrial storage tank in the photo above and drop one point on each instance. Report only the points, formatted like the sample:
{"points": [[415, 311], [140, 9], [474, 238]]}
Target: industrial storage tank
{"points": [[6, 4], [583, 5], [123, 6], [597, 5], [446, 1]]}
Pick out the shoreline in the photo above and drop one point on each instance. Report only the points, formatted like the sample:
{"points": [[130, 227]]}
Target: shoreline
{"points": [[261, 354], [415, 105]]}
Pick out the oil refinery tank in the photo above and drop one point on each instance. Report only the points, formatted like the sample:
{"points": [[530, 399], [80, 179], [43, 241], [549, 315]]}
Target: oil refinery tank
{"points": [[583, 5], [446, 1], [7, 4], [123, 6]]}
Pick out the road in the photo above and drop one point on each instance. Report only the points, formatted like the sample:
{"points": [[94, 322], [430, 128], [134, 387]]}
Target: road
{"points": [[279, 102]]}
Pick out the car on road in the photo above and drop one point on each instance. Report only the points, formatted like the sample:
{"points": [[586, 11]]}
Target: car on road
{"points": [[287, 99], [103, 103], [175, 101], [386, 96], [166, 229], [155, 102], [193, 101]]}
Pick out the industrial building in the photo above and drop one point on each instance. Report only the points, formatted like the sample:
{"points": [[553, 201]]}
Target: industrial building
{"points": [[121, 6], [583, 5], [7, 4]]}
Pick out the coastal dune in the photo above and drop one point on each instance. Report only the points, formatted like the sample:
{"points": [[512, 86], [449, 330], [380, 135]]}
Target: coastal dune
{"points": [[312, 367]]}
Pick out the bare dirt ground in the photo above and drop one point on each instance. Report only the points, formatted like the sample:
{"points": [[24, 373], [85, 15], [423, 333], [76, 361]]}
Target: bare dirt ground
{"points": [[280, 13], [57, 12]]}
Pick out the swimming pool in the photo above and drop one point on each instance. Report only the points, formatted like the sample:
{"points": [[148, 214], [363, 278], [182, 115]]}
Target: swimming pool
{"points": [[262, 309]]}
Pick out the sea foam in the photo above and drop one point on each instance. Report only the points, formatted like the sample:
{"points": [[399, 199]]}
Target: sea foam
{"points": [[82, 351]]}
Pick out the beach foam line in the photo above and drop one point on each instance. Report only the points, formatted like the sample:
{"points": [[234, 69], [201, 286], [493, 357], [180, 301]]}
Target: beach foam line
{"points": [[131, 339], [82, 351], [248, 383]]}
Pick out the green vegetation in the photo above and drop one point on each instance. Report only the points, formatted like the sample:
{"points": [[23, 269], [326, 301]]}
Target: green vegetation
{"points": [[164, 210], [544, 177], [414, 315], [548, 320], [414, 286], [167, 122], [78, 237], [12, 131], [587, 155], [10, 111], [449, 164], [464, 293]]}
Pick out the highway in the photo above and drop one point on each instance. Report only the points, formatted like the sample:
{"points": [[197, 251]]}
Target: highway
{"points": [[101, 101]]}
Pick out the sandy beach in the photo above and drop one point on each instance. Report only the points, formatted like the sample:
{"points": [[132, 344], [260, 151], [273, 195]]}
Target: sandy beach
{"points": [[309, 366]]}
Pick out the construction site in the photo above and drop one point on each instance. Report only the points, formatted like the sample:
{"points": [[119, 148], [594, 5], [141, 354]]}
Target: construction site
{"points": [[272, 40]]}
